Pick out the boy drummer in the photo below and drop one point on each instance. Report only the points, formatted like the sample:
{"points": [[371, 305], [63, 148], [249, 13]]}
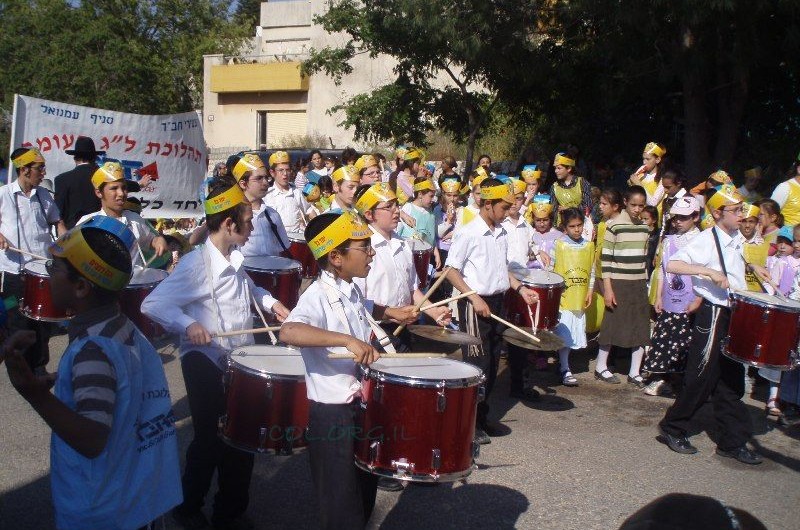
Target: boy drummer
{"points": [[331, 314], [479, 258], [714, 258]]}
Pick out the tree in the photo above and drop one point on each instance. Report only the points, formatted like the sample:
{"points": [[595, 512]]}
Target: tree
{"points": [[250, 10], [445, 75]]}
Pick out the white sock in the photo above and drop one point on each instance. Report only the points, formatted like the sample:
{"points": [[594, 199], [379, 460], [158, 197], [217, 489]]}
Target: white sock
{"points": [[636, 361], [602, 359], [563, 357], [773, 391]]}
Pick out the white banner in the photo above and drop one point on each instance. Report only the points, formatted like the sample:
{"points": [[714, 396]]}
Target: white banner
{"points": [[169, 147]]}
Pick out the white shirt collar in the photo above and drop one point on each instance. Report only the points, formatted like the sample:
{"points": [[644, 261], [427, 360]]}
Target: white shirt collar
{"points": [[346, 288], [220, 265]]}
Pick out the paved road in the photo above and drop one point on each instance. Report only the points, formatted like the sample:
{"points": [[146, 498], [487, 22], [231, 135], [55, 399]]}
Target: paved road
{"points": [[582, 458]]}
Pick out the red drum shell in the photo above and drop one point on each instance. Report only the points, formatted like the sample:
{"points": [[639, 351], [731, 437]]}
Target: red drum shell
{"points": [[418, 427], [764, 331], [37, 301], [142, 284], [266, 407], [298, 250], [280, 276], [549, 286], [423, 253]]}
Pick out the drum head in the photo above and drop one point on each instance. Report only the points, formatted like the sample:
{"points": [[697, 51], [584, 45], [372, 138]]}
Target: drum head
{"points": [[418, 245], [270, 263], [434, 370], [270, 360], [767, 300], [147, 277], [297, 237], [542, 278], [36, 267]]}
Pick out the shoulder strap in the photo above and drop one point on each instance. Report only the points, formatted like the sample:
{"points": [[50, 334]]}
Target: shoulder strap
{"points": [[335, 301], [273, 227]]}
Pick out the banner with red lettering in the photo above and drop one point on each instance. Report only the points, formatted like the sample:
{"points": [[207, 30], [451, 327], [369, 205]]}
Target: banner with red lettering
{"points": [[169, 148]]}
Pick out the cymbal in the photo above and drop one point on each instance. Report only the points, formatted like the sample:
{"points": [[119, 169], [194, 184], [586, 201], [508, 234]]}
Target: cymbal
{"points": [[437, 333], [549, 340]]}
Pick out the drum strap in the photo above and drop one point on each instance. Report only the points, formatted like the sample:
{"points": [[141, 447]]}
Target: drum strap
{"points": [[274, 228], [715, 309], [338, 307]]}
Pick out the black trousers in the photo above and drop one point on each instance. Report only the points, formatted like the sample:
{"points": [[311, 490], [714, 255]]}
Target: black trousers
{"points": [[38, 355], [487, 356], [517, 361], [445, 290], [345, 494], [721, 379], [207, 452]]}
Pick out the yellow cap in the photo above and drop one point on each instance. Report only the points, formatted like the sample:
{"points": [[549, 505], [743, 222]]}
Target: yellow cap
{"points": [[108, 172], [451, 185], [365, 161], [377, 193], [541, 206], [531, 173], [498, 191], [278, 157], [400, 152], [224, 201], [519, 186], [248, 162], [347, 226], [653, 148], [346, 173], [424, 185], [28, 157], [480, 177], [724, 195], [751, 210], [414, 154], [563, 160], [720, 177]]}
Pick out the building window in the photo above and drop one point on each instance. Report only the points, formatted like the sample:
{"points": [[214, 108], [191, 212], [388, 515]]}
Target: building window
{"points": [[261, 128]]}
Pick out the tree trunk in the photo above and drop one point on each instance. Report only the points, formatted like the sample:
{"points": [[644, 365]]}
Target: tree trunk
{"points": [[474, 127], [697, 132], [730, 104]]}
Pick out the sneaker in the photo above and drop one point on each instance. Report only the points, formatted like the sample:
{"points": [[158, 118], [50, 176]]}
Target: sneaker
{"points": [[567, 379], [654, 388]]}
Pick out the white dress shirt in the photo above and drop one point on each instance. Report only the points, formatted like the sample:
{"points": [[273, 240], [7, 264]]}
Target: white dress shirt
{"points": [[185, 297], [703, 251], [142, 231], [520, 238], [481, 254], [331, 380], [25, 223], [290, 205], [262, 240], [392, 278]]}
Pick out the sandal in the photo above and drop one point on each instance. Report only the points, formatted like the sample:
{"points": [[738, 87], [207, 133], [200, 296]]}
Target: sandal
{"points": [[567, 379], [607, 377]]}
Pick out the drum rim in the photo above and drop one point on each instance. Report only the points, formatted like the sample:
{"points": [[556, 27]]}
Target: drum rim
{"points": [[43, 262], [755, 364], [743, 296], [272, 375], [416, 477], [288, 270], [417, 382], [548, 286], [29, 314], [301, 240]]}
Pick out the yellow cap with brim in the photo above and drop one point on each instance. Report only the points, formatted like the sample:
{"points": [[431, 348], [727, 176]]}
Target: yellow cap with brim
{"points": [[424, 185], [451, 185], [346, 173], [414, 154], [73, 247], [503, 192], [720, 177], [230, 198], [750, 210], [108, 172], [28, 157], [364, 162], [653, 148], [248, 162], [278, 157], [377, 193], [531, 174], [562, 159], [476, 181], [724, 195], [347, 226], [519, 186], [541, 206]]}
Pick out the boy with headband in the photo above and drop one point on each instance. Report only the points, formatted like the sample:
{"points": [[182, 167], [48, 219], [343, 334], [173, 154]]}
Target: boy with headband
{"points": [[287, 200], [331, 316], [114, 452], [209, 292]]}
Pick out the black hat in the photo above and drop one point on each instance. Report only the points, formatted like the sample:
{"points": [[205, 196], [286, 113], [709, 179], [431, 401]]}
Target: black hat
{"points": [[84, 146]]}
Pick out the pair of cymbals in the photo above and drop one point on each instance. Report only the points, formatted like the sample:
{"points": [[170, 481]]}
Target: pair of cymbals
{"points": [[548, 341]]}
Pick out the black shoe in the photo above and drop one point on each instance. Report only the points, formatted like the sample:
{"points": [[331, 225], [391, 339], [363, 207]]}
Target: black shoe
{"points": [[496, 429], [636, 381], [190, 520], [679, 444], [610, 378], [526, 394], [389, 484], [481, 437], [742, 454]]}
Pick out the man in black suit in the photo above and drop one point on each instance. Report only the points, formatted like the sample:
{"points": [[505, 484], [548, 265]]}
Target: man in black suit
{"points": [[74, 191]]}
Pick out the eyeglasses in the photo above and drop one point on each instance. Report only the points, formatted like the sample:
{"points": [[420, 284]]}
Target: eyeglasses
{"points": [[368, 250], [371, 173], [260, 178], [283, 170], [41, 168], [392, 207], [734, 211]]}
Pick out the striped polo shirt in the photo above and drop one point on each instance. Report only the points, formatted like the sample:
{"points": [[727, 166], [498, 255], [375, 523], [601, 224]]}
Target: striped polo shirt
{"points": [[624, 254]]}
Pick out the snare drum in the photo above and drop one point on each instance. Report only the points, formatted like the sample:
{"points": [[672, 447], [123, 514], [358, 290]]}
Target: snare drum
{"points": [[298, 250], [764, 331], [142, 284], [280, 276], [423, 253], [417, 419], [549, 286], [37, 302], [266, 408]]}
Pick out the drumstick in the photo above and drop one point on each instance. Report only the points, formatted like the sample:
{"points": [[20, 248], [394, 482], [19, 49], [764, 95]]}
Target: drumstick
{"points": [[761, 281], [245, 331], [512, 326], [151, 260], [447, 300], [395, 355], [26, 253], [433, 288]]}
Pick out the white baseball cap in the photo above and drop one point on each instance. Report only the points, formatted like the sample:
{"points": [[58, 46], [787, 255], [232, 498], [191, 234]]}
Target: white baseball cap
{"points": [[686, 205]]}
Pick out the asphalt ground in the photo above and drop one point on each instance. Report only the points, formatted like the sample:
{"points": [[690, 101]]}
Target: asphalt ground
{"points": [[580, 458]]}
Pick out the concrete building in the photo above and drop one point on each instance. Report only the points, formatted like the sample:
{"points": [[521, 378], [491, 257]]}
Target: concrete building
{"points": [[259, 98]]}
